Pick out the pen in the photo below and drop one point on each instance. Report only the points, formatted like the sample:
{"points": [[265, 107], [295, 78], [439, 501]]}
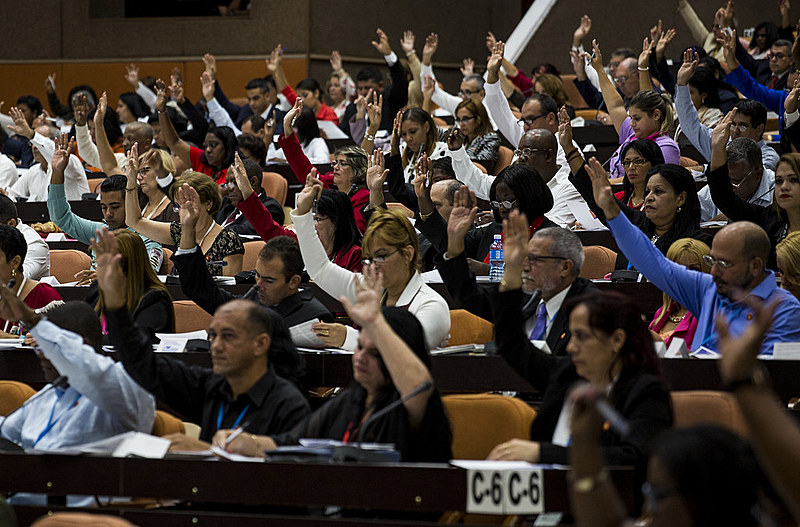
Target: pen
{"points": [[236, 433]]}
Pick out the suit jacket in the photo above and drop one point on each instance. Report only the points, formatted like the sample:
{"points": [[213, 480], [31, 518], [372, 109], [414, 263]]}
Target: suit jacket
{"points": [[395, 97], [643, 400], [758, 68], [240, 225], [198, 286], [475, 298]]}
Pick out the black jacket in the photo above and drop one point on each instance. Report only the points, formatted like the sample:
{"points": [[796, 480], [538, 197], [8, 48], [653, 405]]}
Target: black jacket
{"points": [[395, 97], [240, 225]]}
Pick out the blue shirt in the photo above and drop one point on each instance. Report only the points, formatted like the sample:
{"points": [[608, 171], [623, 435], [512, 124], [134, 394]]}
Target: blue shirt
{"points": [[698, 293]]}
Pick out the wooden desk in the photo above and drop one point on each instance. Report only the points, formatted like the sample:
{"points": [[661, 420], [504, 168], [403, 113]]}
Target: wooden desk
{"points": [[36, 211], [79, 293], [409, 487]]}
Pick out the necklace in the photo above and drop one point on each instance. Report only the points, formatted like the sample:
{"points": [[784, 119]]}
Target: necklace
{"points": [[153, 212], [206, 234]]}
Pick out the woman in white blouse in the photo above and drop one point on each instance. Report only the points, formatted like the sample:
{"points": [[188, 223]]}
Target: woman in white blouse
{"points": [[389, 243]]}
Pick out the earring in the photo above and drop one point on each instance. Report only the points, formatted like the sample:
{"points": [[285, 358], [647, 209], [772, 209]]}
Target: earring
{"points": [[679, 209], [13, 273]]}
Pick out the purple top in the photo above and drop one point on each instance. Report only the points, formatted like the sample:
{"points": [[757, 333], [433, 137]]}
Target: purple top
{"points": [[672, 154]]}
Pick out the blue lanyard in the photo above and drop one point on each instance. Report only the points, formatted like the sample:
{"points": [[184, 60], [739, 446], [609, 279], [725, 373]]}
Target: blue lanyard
{"points": [[238, 419], [50, 422]]}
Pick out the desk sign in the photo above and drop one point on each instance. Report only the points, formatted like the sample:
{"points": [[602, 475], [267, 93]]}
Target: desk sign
{"points": [[503, 487]]}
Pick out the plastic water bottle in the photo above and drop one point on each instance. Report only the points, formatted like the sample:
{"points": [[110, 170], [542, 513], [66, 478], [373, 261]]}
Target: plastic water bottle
{"points": [[496, 259]]}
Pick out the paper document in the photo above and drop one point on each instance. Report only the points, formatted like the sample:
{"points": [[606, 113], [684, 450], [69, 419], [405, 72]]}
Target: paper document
{"points": [[302, 335], [585, 217]]}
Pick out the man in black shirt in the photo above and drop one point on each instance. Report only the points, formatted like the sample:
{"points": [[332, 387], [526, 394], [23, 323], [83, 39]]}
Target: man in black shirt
{"points": [[242, 389]]}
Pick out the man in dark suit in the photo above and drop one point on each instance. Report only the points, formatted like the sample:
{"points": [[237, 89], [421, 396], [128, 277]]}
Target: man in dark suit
{"points": [[278, 272], [232, 218], [549, 276], [771, 72]]}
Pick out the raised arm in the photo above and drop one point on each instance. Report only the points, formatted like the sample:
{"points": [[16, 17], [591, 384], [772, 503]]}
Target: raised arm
{"points": [[274, 68], [157, 231], [108, 162], [612, 98], [176, 145], [376, 177], [645, 83]]}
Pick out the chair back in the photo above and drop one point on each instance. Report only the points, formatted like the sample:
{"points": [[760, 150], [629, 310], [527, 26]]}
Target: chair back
{"points": [[598, 261], [12, 395], [189, 316], [78, 519], [166, 263], [694, 407], [94, 184], [504, 157], [251, 251], [275, 186], [64, 263], [166, 424], [466, 328], [482, 421]]}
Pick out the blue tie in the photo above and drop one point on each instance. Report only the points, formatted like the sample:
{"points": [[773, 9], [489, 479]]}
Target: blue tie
{"points": [[541, 323]]}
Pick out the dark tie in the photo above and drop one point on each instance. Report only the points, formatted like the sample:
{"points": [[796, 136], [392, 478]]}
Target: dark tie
{"points": [[230, 218], [537, 333], [773, 82]]}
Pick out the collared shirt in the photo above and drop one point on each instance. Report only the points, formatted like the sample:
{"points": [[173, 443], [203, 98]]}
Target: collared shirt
{"points": [[553, 306], [271, 405], [762, 196], [698, 292]]}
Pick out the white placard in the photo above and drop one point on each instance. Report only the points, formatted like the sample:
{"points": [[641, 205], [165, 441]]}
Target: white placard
{"points": [[508, 488]]}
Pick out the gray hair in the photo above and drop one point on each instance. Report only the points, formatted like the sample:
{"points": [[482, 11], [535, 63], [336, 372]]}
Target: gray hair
{"points": [[474, 77], [744, 149], [565, 244]]}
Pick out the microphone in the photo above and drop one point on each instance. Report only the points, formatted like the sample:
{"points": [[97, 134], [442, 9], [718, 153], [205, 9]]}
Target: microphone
{"points": [[223, 263], [6, 445], [424, 387]]}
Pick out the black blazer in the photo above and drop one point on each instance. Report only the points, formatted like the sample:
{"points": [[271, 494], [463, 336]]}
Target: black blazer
{"points": [[644, 401], [197, 285], [240, 225]]}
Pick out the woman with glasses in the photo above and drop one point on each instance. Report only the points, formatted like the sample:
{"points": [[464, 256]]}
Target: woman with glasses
{"points": [[670, 211], [482, 142], [609, 346], [389, 242], [649, 116], [638, 157], [154, 164], [349, 173], [222, 247]]}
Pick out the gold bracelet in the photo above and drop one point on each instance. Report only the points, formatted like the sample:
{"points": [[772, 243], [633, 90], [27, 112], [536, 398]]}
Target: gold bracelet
{"points": [[369, 137], [424, 217]]}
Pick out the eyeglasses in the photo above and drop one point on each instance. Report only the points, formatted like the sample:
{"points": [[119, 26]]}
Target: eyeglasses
{"points": [[229, 185], [739, 184], [534, 259], [723, 264], [378, 258], [464, 120], [531, 119], [777, 56], [343, 164], [468, 93], [508, 205], [628, 163], [621, 79], [742, 127], [525, 152], [143, 171]]}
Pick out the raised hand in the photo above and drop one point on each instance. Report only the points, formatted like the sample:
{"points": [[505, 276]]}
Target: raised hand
{"points": [[20, 125], [431, 44], [49, 83], [689, 66], [728, 14], [132, 166], [516, 231], [396, 132], [211, 65], [110, 278], [462, 216], [376, 175], [310, 192], [601, 188], [583, 29], [407, 42], [791, 102], [422, 184], [190, 206], [467, 67], [382, 45], [727, 40], [494, 63], [644, 56], [100, 113], [336, 61], [663, 42], [162, 95], [240, 175], [132, 74], [655, 32], [375, 108], [361, 105], [491, 40], [456, 139], [367, 308], [290, 116], [80, 109], [564, 129], [176, 89], [597, 58], [578, 64], [61, 154], [207, 86], [273, 62], [739, 352], [721, 133], [428, 87]]}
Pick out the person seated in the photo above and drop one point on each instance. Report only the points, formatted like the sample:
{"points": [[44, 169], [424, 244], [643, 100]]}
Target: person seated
{"points": [[700, 88], [37, 257], [229, 216], [482, 143], [610, 347], [255, 364], [787, 253], [517, 187], [390, 242], [391, 361], [85, 132], [112, 204], [219, 144], [550, 276], [9, 175], [279, 269], [420, 136], [751, 117], [739, 253], [65, 110], [550, 84], [15, 146], [751, 182], [340, 87], [136, 132], [778, 218], [94, 397], [308, 89], [638, 157], [36, 295], [395, 95], [131, 108], [253, 147], [672, 319], [349, 167], [649, 115], [155, 165], [697, 475], [771, 71], [146, 297], [34, 183], [217, 244], [306, 130]]}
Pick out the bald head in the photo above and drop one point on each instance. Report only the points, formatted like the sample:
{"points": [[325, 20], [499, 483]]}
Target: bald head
{"points": [[256, 316], [538, 149], [137, 132], [752, 239], [628, 70], [739, 252]]}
